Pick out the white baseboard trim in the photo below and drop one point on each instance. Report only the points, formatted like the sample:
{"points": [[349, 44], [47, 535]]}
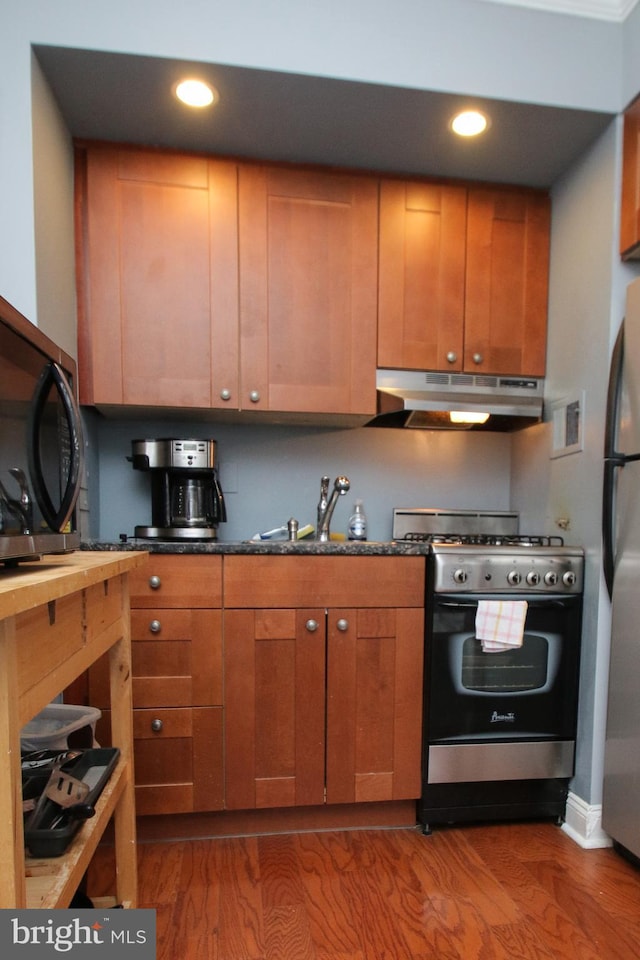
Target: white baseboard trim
{"points": [[583, 823]]}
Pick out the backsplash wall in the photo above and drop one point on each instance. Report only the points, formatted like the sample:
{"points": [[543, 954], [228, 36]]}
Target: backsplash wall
{"points": [[271, 473]]}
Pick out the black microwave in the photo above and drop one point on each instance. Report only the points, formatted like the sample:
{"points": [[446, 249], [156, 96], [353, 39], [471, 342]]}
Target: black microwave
{"points": [[41, 445]]}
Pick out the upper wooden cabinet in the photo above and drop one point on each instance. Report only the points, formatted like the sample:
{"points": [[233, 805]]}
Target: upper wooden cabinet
{"points": [[507, 280], [422, 263], [157, 276], [308, 299], [630, 200], [463, 278], [204, 283]]}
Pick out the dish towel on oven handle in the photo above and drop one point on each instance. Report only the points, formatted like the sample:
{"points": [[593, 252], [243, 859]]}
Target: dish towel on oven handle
{"points": [[500, 624]]}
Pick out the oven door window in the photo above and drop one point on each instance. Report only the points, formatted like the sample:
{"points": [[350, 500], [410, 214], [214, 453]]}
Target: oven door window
{"points": [[531, 668]]}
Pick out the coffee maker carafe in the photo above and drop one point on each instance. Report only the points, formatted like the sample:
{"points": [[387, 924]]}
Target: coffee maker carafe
{"points": [[186, 499]]}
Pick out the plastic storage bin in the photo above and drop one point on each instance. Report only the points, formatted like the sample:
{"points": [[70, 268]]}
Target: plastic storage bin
{"points": [[52, 728]]}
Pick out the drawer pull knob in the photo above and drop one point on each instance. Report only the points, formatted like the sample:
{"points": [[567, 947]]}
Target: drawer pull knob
{"points": [[155, 626], [254, 396], [225, 394], [342, 625], [452, 357], [478, 358], [312, 626], [156, 726], [155, 582]]}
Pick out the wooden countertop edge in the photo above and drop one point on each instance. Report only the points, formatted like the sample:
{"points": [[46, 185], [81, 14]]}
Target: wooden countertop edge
{"points": [[37, 582]]}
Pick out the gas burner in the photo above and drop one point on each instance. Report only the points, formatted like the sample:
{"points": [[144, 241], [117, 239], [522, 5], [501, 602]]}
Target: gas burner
{"points": [[484, 539]]}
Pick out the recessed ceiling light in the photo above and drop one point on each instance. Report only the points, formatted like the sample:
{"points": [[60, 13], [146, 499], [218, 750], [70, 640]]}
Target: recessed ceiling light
{"points": [[196, 93], [469, 123]]}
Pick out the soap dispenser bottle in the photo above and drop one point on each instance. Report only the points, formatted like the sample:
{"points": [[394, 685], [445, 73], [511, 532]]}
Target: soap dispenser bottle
{"points": [[357, 529]]}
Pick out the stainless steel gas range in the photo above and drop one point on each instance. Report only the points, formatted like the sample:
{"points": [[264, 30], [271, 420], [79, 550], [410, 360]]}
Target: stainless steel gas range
{"points": [[502, 651]]}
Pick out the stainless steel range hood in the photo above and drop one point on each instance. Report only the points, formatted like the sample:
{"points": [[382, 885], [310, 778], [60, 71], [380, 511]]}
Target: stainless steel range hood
{"points": [[426, 399]]}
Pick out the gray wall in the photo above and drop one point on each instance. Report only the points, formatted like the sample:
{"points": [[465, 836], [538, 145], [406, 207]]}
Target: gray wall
{"points": [[586, 304], [269, 474]]}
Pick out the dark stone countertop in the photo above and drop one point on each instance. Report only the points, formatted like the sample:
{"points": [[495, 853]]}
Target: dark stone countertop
{"points": [[349, 548]]}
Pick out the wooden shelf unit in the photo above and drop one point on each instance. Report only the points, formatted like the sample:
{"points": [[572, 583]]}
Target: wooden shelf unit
{"points": [[57, 616]]}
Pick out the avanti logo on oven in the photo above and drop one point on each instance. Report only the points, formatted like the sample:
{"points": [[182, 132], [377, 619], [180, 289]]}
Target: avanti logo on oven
{"points": [[497, 717], [81, 934]]}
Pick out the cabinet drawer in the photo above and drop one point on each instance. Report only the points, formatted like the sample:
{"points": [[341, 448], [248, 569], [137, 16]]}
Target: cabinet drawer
{"points": [[176, 658], [177, 581], [178, 768], [301, 581]]}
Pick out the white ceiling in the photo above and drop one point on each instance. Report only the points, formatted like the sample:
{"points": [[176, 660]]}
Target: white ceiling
{"points": [[121, 97]]}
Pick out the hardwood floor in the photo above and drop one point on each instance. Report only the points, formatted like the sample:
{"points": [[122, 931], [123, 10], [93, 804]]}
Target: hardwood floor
{"points": [[491, 892]]}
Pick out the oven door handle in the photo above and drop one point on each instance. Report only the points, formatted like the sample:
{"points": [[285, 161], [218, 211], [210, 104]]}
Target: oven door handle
{"points": [[532, 601]]}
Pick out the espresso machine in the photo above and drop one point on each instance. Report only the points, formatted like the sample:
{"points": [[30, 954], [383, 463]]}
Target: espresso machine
{"points": [[186, 499]]}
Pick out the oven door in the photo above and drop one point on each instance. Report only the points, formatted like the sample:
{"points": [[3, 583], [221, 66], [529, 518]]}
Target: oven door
{"points": [[523, 694]]}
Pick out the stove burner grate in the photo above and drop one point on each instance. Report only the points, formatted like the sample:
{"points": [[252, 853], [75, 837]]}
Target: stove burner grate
{"points": [[484, 539]]}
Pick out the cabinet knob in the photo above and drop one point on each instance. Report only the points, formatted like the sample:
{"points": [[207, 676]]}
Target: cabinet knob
{"points": [[254, 396], [342, 625], [452, 357], [155, 626], [312, 625], [155, 582], [156, 725], [225, 394], [477, 358]]}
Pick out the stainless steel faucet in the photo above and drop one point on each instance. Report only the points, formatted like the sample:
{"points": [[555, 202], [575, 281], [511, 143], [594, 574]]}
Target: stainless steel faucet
{"points": [[21, 509], [327, 504]]}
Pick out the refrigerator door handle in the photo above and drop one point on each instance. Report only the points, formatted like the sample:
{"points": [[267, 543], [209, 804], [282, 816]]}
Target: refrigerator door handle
{"points": [[612, 460], [608, 523]]}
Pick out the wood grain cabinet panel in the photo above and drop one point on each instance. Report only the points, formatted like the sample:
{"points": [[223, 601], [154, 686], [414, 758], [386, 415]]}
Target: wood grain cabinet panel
{"points": [[322, 703], [261, 279], [463, 278], [308, 302], [177, 684], [507, 282], [171, 580], [274, 708], [157, 276], [374, 704], [630, 198], [421, 284]]}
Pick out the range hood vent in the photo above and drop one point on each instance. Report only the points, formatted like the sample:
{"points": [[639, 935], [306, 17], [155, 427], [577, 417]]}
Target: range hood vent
{"points": [[425, 400]]}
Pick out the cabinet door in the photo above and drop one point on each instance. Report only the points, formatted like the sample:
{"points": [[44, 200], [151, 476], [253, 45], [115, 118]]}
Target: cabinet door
{"points": [[374, 704], [507, 282], [421, 279], [630, 199], [308, 268], [157, 276], [274, 708]]}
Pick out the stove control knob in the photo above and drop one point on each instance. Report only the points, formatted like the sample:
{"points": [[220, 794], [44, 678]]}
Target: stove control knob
{"points": [[551, 578], [533, 578], [513, 578], [569, 578], [460, 576]]}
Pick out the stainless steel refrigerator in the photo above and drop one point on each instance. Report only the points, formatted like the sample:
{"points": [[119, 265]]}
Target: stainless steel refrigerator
{"points": [[621, 558]]}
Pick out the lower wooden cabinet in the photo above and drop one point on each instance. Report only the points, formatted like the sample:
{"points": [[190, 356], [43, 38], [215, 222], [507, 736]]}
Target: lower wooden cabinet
{"points": [[305, 689], [323, 703], [177, 685]]}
